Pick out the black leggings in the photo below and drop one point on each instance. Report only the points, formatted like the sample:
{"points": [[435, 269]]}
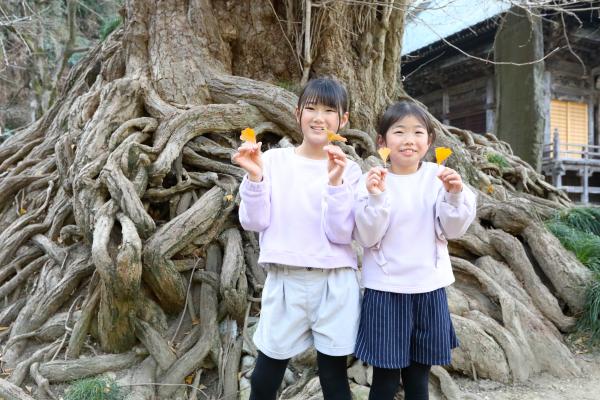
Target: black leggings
{"points": [[268, 374], [415, 379]]}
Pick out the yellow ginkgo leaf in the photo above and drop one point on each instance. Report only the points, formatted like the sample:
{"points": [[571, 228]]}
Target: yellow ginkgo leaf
{"points": [[228, 197], [441, 154], [334, 137], [384, 153], [22, 211], [189, 379], [490, 189], [248, 135]]}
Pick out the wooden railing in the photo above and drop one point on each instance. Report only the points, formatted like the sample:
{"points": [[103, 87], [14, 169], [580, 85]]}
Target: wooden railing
{"points": [[557, 158]]}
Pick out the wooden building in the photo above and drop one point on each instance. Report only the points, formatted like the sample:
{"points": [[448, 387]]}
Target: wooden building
{"points": [[451, 76]]}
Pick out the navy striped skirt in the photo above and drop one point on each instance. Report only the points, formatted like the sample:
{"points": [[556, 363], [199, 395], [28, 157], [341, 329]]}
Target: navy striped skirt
{"points": [[397, 328]]}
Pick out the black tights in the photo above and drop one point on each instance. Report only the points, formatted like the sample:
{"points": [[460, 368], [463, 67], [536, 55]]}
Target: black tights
{"points": [[415, 379], [268, 374]]}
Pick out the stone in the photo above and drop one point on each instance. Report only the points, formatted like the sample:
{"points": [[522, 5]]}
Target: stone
{"points": [[288, 377], [359, 392], [247, 366], [358, 373], [244, 389]]}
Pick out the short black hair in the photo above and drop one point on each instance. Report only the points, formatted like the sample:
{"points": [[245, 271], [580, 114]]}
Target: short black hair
{"points": [[401, 109], [325, 91]]}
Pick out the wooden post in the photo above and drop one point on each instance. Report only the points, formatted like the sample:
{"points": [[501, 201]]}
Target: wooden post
{"points": [[590, 121], [556, 167], [445, 107], [585, 176], [489, 105], [555, 144], [547, 102], [597, 125]]}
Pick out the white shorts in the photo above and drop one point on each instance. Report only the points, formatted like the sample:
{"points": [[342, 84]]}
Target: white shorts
{"points": [[306, 306]]}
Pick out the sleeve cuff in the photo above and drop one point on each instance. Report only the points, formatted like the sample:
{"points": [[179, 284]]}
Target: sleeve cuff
{"points": [[454, 199], [377, 200], [333, 190], [250, 186]]}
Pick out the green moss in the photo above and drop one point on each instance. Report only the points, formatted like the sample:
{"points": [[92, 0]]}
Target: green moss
{"points": [[498, 159], [109, 26], [97, 388]]}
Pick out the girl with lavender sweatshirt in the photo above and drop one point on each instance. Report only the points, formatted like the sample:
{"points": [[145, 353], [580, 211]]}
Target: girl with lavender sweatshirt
{"points": [[301, 200]]}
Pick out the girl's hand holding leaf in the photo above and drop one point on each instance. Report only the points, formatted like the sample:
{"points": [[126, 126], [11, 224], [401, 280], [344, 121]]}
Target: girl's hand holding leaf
{"points": [[336, 164], [375, 181], [451, 180], [248, 157]]}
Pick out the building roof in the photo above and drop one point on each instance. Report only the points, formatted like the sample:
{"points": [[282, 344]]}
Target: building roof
{"points": [[431, 21]]}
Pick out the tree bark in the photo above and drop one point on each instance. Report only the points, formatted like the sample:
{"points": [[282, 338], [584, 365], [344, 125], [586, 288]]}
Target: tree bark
{"points": [[125, 191]]}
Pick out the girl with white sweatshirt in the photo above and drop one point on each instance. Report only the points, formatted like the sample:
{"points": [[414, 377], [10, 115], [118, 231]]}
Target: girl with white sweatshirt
{"points": [[404, 217]]}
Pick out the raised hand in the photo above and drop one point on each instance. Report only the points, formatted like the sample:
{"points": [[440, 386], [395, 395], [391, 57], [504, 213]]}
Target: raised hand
{"points": [[451, 180], [248, 157], [375, 181], [336, 164]]}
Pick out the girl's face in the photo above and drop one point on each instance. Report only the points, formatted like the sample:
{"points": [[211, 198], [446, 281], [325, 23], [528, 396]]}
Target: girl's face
{"points": [[408, 141], [316, 119]]}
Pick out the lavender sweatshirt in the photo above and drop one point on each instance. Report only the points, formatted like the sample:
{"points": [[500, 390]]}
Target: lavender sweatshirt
{"points": [[302, 220], [405, 230]]}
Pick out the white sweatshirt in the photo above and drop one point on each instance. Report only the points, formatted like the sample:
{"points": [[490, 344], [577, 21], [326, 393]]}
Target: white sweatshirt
{"points": [[405, 229], [302, 220]]}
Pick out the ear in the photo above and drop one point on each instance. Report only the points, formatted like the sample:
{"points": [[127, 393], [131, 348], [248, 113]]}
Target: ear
{"points": [[344, 120], [381, 141]]}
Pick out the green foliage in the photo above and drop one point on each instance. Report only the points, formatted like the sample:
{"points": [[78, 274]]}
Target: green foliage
{"points": [[96, 7], [586, 219], [109, 25], [578, 229], [80, 42], [98, 388], [74, 59], [498, 159], [586, 246], [293, 87], [590, 321]]}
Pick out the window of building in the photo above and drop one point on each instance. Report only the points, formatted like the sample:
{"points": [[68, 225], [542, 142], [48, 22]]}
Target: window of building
{"points": [[474, 122], [571, 120]]}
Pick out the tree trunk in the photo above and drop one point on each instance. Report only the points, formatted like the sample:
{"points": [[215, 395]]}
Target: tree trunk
{"points": [[126, 200]]}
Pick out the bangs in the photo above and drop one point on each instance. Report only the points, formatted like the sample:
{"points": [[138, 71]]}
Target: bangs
{"points": [[402, 109], [326, 92]]}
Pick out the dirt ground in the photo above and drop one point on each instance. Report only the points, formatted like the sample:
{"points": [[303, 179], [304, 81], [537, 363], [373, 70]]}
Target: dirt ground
{"points": [[544, 386]]}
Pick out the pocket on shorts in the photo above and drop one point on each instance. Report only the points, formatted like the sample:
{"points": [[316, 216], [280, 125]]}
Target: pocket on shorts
{"points": [[272, 307], [339, 311], [272, 291]]}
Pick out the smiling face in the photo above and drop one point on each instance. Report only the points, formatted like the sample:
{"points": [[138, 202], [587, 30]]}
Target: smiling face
{"points": [[408, 140], [316, 119], [322, 106]]}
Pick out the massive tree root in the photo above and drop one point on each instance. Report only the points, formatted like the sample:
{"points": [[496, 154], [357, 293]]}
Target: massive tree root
{"points": [[119, 235]]}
